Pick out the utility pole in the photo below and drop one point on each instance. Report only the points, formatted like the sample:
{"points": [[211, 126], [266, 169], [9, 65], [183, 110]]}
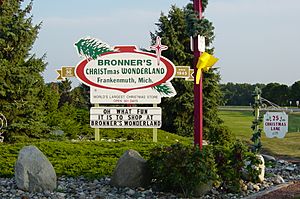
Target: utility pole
{"points": [[198, 109]]}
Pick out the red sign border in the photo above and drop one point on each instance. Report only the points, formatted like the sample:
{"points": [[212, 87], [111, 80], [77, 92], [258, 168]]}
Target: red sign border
{"points": [[79, 71]]}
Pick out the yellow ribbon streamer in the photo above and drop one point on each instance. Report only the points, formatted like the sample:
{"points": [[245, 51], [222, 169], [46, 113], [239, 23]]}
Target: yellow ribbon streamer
{"points": [[205, 62]]}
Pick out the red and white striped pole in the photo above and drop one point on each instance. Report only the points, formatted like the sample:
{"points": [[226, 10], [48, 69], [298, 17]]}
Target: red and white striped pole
{"points": [[198, 109]]}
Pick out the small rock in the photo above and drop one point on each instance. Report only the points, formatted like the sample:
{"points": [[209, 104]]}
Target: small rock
{"points": [[290, 168], [256, 187], [282, 161], [278, 180], [61, 195], [244, 187], [47, 193], [215, 192], [100, 197], [268, 158], [130, 192], [82, 196], [250, 186]]}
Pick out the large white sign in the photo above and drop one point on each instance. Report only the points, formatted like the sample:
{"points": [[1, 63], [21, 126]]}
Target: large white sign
{"points": [[275, 124], [125, 117], [125, 71]]}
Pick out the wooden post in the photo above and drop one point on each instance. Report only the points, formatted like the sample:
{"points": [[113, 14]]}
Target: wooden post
{"points": [[198, 109], [97, 130]]}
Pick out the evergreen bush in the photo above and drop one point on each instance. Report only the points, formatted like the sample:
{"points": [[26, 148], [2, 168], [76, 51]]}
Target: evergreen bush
{"points": [[231, 165], [182, 168]]}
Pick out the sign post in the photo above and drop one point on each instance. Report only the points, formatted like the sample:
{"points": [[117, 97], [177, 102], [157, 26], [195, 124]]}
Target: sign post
{"points": [[198, 110], [97, 130]]}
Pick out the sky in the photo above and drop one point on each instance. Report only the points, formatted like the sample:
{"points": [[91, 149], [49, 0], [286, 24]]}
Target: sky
{"points": [[256, 41]]}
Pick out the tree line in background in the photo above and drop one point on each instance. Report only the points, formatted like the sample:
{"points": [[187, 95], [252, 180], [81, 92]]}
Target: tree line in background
{"points": [[240, 94]]}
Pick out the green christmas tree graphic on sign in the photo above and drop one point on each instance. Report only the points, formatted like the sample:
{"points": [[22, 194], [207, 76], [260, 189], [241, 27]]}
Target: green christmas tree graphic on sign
{"points": [[92, 48]]}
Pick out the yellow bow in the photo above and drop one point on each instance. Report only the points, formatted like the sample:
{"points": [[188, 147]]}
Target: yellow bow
{"points": [[205, 62]]}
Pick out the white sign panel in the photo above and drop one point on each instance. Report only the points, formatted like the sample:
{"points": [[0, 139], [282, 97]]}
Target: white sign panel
{"points": [[275, 124], [125, 117], [105, 96]]}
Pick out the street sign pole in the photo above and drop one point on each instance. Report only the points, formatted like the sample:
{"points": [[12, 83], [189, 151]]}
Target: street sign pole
{"points": [[198, 110]]}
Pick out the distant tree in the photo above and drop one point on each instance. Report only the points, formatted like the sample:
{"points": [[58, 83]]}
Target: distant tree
{"points": [[175, 31], [237, 94], [22, 86], [276, 93], [295, 92], [64, 89], [80, 96]]}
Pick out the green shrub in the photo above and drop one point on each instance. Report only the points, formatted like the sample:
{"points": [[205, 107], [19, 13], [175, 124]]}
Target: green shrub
{"points": [[83, 158], [231, 165], [181, 168], [220, 135]]}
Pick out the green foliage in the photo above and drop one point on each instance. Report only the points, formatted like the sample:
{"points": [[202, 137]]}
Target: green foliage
{"points": [[257, 121], [295, 92], [240, 94], [22, 86], [142, 135], [231, 164], [178, 111], [276, 93], [86, 158], [294, 122], [196, 26], [181, 168], [174, 29], [204, 4], [74, 122], [236, 94], [80, 97], [214, 130]]}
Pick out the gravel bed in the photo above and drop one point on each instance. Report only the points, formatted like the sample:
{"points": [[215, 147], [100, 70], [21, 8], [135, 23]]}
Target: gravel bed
{"points": [[280, 172]]}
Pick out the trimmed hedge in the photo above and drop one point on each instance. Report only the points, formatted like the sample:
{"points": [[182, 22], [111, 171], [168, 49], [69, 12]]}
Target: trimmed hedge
{"points": [[85, 158]]}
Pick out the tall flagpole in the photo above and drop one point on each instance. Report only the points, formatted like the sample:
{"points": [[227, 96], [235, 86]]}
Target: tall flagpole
{"points": [[198, 109]]}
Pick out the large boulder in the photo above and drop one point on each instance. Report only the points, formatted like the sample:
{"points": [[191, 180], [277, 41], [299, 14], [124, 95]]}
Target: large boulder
{"points": [[131, 171], [33, 171]]}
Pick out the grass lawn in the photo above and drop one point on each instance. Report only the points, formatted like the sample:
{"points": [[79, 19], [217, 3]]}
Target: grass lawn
{"points": [[240, 122]]}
